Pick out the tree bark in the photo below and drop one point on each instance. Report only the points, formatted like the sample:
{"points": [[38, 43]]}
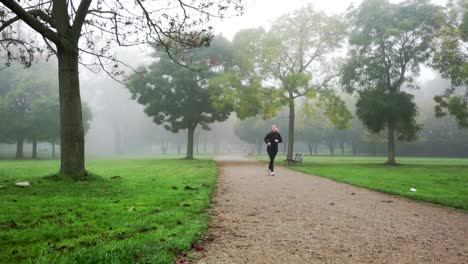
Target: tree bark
{"points": [[34, 148], [342, 145], [292, 116], [72, 134], [190, 133], [391, 145], [315, 149], [20, 147]]}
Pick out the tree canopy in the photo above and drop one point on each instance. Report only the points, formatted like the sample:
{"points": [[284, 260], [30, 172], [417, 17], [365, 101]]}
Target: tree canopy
{"points": [[180, 98], [388, 44]]}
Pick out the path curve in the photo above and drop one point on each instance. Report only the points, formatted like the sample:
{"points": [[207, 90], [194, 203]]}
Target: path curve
{"points": [[298, 218]]}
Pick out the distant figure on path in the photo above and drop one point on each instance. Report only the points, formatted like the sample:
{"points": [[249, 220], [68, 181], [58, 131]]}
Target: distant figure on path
{"points": [[272, 139]]}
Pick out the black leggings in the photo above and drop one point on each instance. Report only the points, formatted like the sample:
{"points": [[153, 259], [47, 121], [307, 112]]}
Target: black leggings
{"points": [[272, 155]]}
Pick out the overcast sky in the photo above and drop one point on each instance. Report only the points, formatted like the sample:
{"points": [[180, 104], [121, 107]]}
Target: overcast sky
{"points": [[260, 13]]}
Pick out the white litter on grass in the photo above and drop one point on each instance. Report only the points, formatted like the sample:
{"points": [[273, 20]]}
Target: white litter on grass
{"points": [[23, 184], [1, 187], [412, 189]]}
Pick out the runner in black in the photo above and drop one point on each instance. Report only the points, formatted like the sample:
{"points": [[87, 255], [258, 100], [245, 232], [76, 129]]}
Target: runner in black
{"points": [[272, 139]]}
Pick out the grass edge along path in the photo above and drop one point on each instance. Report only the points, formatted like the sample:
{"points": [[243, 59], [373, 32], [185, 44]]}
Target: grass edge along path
{"points": [[442, 181], [136, 211]]}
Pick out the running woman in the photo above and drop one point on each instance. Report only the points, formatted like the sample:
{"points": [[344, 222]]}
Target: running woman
{"points": [[272, 139]]}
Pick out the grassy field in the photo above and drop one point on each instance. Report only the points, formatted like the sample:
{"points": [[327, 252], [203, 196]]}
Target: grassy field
{"points": [[437, 180], [135, 211]]}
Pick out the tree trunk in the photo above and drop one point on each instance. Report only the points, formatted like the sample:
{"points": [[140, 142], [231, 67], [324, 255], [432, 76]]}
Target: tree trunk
{"points": [[179, 148], [391, 145], [342, 145], [34, 148], [311, 148], [292, 116], [19, 147], [315, 149], [353, 148], [331, 146], [164, 147], [258, 144], [190, 132], [72, 136], [53, 149]]}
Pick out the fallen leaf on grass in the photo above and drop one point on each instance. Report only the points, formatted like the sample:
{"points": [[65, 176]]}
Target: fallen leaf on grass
{"points": [[131, 209], [188, 188], [116, 177], [185, 204], [174, 188]]}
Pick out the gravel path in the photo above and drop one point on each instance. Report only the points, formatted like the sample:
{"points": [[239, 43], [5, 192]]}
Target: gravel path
{"points": [[297, 218]]}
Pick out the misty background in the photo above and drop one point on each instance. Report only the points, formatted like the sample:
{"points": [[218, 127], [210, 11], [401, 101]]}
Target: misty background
{"points": [[120, 127]]}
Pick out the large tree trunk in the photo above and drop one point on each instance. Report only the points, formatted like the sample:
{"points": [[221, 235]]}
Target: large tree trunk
{"points": [[34, 148], [20, 147], [190, 132], [391, 145], [72, 134], [258, 144], [292, 116], [342, 146]]}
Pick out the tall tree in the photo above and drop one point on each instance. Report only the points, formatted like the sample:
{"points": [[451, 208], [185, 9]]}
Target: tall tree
{"points": [[178, 97], [296, 58], [71, 30], [451, 60], [388, 43]]}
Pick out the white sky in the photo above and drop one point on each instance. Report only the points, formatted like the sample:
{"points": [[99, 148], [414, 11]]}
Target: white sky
{"points": [[260, 13]]}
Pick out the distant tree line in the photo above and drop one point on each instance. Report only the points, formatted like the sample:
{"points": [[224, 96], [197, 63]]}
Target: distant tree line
{"points": [[29, 108]]}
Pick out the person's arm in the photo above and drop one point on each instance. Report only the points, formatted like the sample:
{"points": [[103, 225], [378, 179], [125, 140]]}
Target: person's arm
{"points": [[266, 139], [280, 138]]}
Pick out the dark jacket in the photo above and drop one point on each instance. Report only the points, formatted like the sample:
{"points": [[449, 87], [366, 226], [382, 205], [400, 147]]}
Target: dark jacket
{"points": [[270, 138]]}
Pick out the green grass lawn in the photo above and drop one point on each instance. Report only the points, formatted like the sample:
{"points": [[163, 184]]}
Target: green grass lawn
{"points": [[148, 214], [437, 180]]}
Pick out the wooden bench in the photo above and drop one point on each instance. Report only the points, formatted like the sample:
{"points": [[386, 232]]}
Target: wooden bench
{"points": [[297, 158]]}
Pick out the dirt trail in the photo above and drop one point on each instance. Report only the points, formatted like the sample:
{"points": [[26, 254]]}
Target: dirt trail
{"points": [[297, 218]]}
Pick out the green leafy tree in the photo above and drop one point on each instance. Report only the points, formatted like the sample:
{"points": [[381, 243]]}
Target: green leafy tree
{"points": [[294, 59], [451, 60], [388, 43], [181, 98], [30, 108]]}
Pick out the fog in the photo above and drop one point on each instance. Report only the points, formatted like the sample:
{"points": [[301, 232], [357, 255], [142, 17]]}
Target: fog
{"points": [[120, 127]]}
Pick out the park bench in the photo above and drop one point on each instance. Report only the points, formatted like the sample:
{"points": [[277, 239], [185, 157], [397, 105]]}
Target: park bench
{"points": [[297, 158]]}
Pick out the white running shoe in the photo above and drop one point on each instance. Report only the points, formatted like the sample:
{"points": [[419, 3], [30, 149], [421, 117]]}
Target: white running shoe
{"points": [[272, 173]]}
